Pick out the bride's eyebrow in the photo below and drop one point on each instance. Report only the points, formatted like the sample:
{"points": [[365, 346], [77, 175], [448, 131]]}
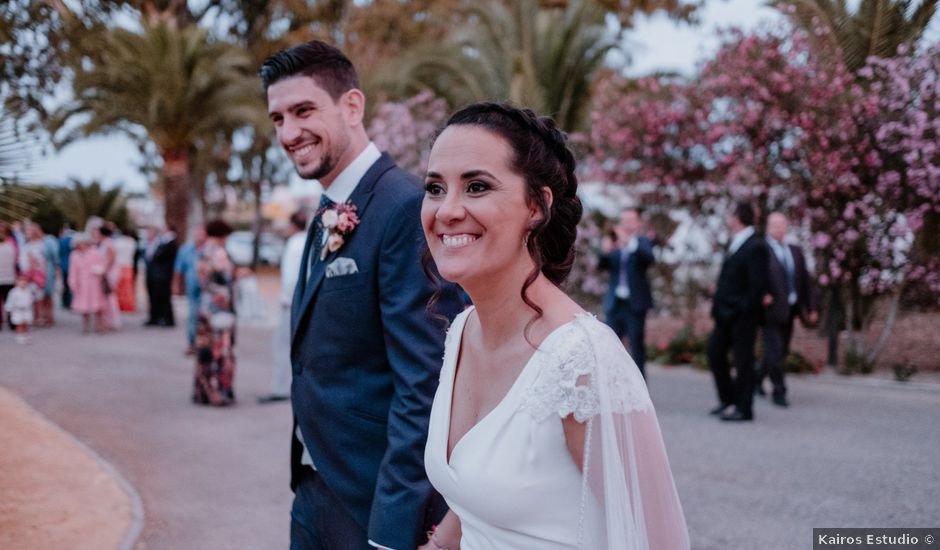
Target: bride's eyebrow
{"points": [[477, 173], [465, 176]]}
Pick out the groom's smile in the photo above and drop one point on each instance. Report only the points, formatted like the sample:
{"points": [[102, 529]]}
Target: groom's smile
{"points": [[311, 126]]}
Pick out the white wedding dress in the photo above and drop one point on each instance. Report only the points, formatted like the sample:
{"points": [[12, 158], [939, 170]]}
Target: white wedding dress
{"points": [[511, 479]]}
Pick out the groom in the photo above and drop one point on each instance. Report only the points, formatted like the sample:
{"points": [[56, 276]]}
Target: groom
{"points": [[365, 350]]}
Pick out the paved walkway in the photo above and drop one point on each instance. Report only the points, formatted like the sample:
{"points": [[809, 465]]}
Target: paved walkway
{"points": [[844, 455]]}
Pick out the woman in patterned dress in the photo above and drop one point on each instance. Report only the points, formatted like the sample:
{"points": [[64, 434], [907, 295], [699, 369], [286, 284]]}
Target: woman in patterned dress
{"points": [[215, 327]]}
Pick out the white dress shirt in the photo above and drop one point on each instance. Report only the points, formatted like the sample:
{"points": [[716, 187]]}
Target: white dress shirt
{"points": [[346, 182], [739, 238], [782, 250]]}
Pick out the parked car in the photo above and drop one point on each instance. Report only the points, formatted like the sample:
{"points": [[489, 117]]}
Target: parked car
{"points": [[239, 246]]}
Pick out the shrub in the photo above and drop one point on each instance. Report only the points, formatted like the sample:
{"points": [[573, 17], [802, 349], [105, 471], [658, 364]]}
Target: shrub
{"points": [[797, 363], [685, 347], [904, 370], [855, 362]]}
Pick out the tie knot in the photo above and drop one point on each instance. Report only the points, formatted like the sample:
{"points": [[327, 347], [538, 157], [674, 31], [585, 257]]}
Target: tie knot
{"points": [[325, 202]]}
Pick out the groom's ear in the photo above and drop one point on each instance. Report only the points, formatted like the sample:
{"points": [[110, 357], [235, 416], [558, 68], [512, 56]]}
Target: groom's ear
{"points": [[353, 103]]}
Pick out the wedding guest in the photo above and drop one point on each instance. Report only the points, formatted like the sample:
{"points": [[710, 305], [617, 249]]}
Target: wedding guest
{"points": [[102, 235], [365, 348], [290, 269], [33, 264], [539, 403], [737, 308], [628, 256], [125, 254], [160, 257], [65, 250], [791, 295], [87, 281], [186, 280], [215, 327], [7, 266], [51, 251], [19, 306]]}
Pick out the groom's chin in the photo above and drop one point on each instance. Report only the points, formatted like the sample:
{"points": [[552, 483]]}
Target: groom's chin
{"points": [[312, 171]]}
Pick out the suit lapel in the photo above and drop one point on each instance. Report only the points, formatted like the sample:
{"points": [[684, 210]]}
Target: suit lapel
{"points": [[360, 197], [301, 285]]}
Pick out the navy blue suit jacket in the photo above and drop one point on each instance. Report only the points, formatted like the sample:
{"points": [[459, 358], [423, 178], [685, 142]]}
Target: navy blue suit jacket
{"points": [[366, 356], [641, 298]]}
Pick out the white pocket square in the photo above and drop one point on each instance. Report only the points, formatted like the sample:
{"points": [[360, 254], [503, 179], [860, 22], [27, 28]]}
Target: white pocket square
{"points": [[341, 266]]}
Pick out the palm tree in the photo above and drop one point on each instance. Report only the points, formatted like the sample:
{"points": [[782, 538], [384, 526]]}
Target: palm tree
{"points": [[80, 202], [169, 86], [542, 57], [874, 28]]}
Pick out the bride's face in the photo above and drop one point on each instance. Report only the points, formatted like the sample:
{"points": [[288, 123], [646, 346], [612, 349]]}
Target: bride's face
{"points": [[475, 212]]}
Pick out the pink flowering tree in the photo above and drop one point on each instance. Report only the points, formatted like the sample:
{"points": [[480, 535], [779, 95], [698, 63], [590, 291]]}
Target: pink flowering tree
{"points": [[770, 118], [906, 140], [405, 128]]}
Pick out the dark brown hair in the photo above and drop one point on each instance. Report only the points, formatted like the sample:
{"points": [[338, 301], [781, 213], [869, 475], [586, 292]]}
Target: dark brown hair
{"points": [[540, 154], [744, 212], [218, 228], [328, 66]]}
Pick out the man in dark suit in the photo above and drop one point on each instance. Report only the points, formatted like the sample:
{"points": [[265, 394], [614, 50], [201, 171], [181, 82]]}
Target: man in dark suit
{"points": [[365, 349], [737, 308], [160, 257], [790, 295], [628, 256]]}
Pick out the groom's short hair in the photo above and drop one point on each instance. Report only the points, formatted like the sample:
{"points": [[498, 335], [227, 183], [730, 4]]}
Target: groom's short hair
{"points": [[327, 65]]}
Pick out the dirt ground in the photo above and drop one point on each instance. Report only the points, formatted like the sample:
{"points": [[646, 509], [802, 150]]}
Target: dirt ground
{"points": [[53, 493]]}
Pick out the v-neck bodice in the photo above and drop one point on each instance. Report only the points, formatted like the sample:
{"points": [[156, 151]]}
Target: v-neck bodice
{"points": [[506, 469]]}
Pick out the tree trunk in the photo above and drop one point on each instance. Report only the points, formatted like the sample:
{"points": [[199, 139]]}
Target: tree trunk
{"points": [[886, 331], [850, 324], [176, 191], [256, 224], [833, 325]]}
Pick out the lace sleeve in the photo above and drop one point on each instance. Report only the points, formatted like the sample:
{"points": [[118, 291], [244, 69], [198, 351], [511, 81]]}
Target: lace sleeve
{"points": [[567, 383]]}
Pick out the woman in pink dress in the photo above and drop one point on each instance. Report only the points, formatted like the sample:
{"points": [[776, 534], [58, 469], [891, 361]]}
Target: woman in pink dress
{"points": [[86, 279], [112, 272]]}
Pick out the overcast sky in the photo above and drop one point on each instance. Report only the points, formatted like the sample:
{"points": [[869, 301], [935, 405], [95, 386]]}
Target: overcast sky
{"points": [[656, 44]]}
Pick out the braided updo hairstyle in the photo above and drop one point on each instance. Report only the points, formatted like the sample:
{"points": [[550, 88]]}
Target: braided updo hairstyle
{"points": [[540, 155]]}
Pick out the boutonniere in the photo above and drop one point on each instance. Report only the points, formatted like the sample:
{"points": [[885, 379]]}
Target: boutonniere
{"points": [[339, 221]]}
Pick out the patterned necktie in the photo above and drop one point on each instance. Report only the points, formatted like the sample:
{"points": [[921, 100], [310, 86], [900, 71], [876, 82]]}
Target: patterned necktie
{"points": [[316, 245]]}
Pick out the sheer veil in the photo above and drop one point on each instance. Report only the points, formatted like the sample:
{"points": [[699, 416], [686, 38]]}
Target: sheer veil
{"points": [[629, 500]]}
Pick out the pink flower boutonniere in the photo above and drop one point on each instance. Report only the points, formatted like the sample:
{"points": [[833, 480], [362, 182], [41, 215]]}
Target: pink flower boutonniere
{"points": [[339, 221]]}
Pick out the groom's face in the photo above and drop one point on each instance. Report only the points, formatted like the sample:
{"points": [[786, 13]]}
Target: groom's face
{"points": [[312, 128]]}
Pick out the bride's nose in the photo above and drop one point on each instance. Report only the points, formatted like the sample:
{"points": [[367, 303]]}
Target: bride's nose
{"points": [[451, 209]]}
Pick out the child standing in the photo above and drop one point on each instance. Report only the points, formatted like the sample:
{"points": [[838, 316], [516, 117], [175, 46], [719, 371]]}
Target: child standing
{"points": [[87, 281], [19, 306]]}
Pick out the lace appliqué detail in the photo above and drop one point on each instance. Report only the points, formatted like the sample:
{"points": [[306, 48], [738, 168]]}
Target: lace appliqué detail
{"points": [[564, 385], [567, 383]]}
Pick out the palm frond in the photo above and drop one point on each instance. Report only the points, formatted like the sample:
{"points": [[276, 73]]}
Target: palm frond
{"points": [[874, 28]]}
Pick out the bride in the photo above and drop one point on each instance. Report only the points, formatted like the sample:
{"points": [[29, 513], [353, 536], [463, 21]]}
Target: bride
{"points": [[542, 434]]}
